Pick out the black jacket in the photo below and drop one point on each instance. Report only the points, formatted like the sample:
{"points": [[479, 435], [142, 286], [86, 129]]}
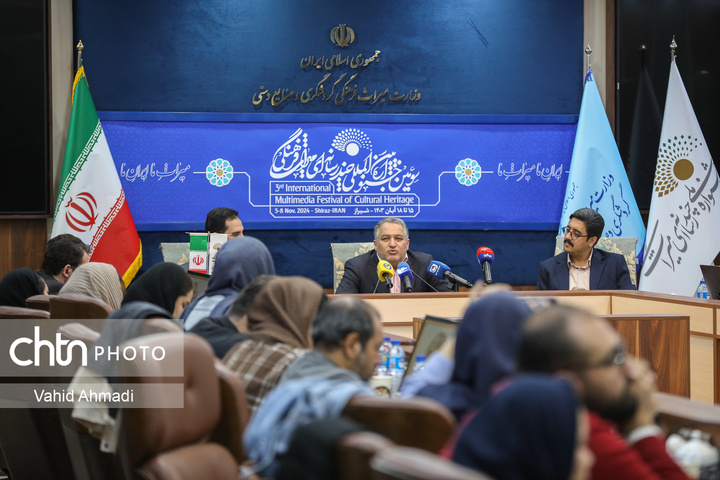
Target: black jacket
{"points": [[361, 275]]}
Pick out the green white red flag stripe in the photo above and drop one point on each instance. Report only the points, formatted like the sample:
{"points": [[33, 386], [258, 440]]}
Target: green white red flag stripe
{"points": [[91, 203]]}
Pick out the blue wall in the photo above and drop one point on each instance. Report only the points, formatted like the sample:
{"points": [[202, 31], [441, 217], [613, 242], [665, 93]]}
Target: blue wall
{"points": [[465, 56], [468, 57]]}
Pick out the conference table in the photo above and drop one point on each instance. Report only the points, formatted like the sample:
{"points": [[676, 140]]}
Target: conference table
{"points": [[678, 335]]}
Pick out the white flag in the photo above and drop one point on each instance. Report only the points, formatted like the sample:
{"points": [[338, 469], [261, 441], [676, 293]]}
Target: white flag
{"points": [[684, 224]]}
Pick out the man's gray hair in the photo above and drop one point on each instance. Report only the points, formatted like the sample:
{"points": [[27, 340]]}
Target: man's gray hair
{"points": [[397, 221]]}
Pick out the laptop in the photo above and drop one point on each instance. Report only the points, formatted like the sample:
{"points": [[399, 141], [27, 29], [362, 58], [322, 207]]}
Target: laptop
{"points": [[435, 330], [200, 283], [433, 333], [711, 274]]}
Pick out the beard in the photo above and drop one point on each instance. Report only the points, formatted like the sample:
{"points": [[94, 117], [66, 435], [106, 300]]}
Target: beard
{"points": [[359, 367], [618, 411]]}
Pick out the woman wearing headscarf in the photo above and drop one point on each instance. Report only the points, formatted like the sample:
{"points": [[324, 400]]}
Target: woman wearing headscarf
{"points": [[166, 285], [125, 323], [279, 322], [485, 350], [98, 280], [533, 429], [237, 263], [18, 285]]}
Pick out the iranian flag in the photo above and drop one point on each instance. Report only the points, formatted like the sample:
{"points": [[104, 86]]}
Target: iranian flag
{"points": [[91, 203]]}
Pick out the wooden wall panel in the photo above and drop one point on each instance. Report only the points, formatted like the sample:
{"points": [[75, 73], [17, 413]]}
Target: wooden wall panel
{"points": [[22, 243], [665, 343], [702, 386], [701, 317], [662, 340]]}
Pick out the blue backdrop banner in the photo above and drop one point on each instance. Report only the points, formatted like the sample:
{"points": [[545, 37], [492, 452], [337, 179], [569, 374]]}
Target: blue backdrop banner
{"points": [[329, 175]]}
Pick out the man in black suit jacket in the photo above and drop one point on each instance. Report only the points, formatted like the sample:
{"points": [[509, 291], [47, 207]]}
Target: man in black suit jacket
{"points": [[392, 241], [580, 266]]}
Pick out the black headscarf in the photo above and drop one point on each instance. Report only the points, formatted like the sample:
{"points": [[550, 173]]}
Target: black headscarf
{"points": [[487, 343], [161, 285], [17, 286], [525, 432]]}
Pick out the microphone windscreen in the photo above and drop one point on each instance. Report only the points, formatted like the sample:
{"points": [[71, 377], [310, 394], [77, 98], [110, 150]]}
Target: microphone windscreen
{"points": [[437, 269], [485, 254], [385, 270], [404, 269]]}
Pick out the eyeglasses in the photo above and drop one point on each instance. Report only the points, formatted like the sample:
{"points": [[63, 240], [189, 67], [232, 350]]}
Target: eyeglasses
{"points": [[616, 357], [574, 234]]}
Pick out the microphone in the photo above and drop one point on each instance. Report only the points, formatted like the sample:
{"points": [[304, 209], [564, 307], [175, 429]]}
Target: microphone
{"points": [[406, 275], [485, 257], [440, 270], [425, 282], [385, 273]]}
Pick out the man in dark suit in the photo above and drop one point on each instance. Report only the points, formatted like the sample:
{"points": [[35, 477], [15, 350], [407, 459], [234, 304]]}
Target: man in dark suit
{"points": [[580, 266], [392, 241], [63, 254], [224, 220]]}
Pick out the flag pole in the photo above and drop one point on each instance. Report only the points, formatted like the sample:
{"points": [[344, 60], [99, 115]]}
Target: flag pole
{"points": [[673, 46], [588, 51], [79, 47]]}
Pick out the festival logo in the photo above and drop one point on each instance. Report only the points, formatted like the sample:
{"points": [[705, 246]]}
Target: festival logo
{"points": [[219, 172], [468, 172], [673, 165]]}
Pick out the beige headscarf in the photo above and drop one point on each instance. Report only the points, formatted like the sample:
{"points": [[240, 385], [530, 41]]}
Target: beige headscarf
{"points": [[283, 311], [98, 280]]}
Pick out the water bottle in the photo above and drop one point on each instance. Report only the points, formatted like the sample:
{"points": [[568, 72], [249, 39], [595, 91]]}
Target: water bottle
{"points": [[702, 290], [419, 363], [384, 352], [396, 366]]}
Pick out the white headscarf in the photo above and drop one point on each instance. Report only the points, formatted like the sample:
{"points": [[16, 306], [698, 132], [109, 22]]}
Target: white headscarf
{"points": [[97, 280]]}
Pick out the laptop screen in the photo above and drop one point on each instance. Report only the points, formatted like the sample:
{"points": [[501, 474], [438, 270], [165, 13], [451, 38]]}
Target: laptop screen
{"points": [[435, 331], [711, 274]]}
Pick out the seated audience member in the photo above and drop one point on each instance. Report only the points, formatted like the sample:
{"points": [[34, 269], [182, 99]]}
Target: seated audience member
{"points": [[580, 266], [166, 285], [279, 322], [347, 334], [226, 331], [618, 391], [97, 280], [63, 254], [236, 264], [486, 349], [224, 220], [17, 285], [124, 324], [392, 240], [533, 429]]}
